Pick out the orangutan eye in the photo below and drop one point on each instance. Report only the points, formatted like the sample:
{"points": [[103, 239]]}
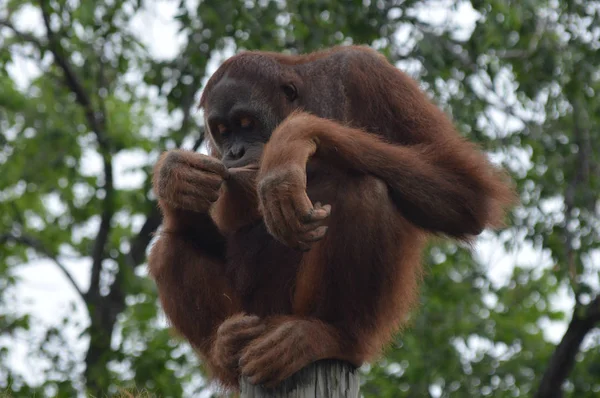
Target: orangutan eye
{"points": [[222, 128], [245, 122], [290, 91]]}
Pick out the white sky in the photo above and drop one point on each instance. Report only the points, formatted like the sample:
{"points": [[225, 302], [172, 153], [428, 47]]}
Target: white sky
{"points": [[44, 291]]}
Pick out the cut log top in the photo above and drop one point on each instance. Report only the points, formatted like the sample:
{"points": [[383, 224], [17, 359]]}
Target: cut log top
{"points": [[323, 379]]}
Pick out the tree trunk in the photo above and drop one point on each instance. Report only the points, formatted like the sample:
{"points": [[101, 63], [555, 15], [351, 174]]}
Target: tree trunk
{"points": [[323, 379], [103, 315]]}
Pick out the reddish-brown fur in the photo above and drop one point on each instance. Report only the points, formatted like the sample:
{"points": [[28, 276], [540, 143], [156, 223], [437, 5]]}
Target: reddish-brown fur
{"points": [[313, 251]]}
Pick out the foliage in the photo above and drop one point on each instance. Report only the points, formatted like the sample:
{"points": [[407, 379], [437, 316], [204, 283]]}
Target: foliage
{"points": [[78, 142]]}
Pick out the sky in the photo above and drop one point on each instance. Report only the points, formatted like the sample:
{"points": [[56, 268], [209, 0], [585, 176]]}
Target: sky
{"points": [[44, 291]]}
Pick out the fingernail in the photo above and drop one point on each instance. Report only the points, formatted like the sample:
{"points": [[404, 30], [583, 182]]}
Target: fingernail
{"points": [[321, 230]]}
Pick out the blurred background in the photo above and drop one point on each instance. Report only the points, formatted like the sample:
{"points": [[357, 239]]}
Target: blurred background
{"points": [[91, 92]]}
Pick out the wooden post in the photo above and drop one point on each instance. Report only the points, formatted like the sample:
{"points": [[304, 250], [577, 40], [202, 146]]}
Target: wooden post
{"points": [[323, 379]]}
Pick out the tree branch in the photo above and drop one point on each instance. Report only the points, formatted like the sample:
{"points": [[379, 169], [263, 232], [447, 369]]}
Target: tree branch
{"points": [[137, 251], [96, 121], [27, 37], [593, 310], [563, 360], [71, 79], [44, 251]]}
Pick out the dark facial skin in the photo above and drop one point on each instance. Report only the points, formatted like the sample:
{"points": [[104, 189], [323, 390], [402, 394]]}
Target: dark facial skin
{"points": [[240, 124]]}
